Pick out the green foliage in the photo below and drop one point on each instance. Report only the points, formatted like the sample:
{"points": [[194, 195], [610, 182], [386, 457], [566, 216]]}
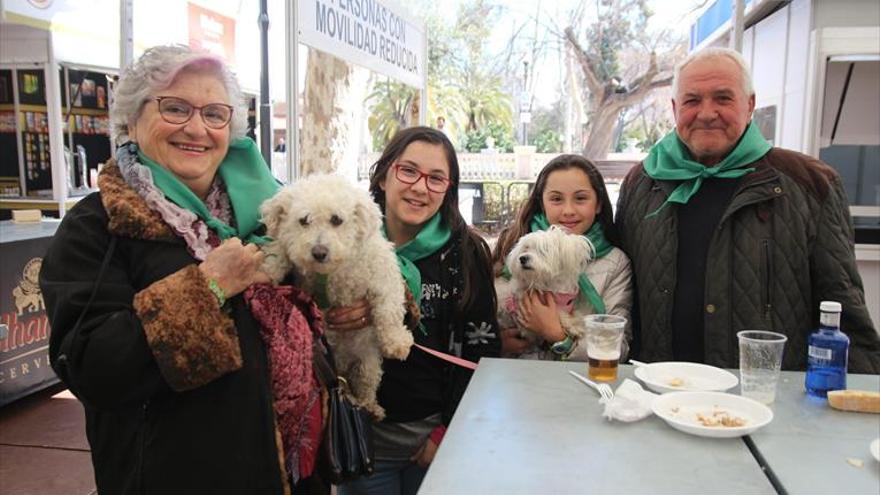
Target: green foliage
{"points": [[549, 141], [545, 130], [619, 23], [390, 104], [463, 87], [475, 140]]}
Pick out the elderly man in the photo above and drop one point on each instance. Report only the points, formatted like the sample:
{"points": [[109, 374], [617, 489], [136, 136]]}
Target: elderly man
{"points": [[727, 233]]}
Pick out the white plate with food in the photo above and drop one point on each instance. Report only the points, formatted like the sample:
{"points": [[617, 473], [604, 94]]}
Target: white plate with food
{"points": [[712, 414], [875, 449], [672, 376]]}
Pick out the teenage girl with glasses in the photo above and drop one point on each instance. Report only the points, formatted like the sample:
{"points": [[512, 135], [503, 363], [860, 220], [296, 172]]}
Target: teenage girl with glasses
{"points": [[448, 273]]}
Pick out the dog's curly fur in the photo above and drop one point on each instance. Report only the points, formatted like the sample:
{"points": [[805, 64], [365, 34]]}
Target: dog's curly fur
{"points": [[547, 261], [324, 226]]}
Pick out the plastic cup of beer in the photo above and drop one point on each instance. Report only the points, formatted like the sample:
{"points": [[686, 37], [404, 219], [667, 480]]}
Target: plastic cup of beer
{"points": [[760, 359], [604, 336]]}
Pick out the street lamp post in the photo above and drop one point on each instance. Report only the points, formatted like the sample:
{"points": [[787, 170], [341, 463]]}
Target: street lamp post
{"points": [[525, 105], [265, 108]]}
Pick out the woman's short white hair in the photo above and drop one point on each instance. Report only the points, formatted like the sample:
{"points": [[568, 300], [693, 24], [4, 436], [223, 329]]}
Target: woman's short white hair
{"points": [[156, 70], [715, 52]]}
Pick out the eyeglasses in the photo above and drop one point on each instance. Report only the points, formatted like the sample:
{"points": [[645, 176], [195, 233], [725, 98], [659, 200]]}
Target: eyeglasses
{"points": [[410, 175], [178, 111]]}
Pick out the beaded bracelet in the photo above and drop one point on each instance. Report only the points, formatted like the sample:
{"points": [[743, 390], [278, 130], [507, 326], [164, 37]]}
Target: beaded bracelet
{"points": [[218, 292]]}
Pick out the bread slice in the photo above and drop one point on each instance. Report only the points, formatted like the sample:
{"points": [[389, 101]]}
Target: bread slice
{"points": [[855, 400]]}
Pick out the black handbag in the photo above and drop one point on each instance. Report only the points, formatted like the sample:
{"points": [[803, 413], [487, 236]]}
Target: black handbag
{"points": [[347, 447]]}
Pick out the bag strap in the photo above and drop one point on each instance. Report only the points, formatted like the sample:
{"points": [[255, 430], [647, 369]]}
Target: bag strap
{"points": [[74, 333], [324, 364], [104, 264], [464, 363]]}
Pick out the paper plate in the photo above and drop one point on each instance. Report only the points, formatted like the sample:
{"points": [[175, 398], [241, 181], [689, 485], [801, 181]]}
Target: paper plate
{"points": [[875, 449], [712, 414], [674, 376]]}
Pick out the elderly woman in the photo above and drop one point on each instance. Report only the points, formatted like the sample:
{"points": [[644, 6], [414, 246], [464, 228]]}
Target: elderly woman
{"points": [[143, 283]]}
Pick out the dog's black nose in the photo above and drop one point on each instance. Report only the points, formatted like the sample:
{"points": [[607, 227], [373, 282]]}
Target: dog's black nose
{"points": [[319, 253], [524, 260]]}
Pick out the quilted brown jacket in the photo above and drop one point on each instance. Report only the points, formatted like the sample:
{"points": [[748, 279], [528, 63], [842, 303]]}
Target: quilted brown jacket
{"points": [[784, 243]]}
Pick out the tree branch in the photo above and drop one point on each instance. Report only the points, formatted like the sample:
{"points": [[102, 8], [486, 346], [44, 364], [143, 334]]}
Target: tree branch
{"points": [[660, 83], [647, 76], [584, 61]]}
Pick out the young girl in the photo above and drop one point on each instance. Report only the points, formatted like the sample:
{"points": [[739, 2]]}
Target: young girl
{"points": [[570, 193], [447, 269]]}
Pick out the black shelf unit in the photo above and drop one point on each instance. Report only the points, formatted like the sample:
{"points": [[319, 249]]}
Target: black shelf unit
{"points": [[86, 117]]}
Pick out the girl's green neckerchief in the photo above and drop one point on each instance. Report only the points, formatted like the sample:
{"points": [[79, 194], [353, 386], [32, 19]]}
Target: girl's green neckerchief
{"points": [[596, 236], [433, 236]]}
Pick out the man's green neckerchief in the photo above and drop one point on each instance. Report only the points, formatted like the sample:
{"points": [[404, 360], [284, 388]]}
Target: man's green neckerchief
{"points": [[671, 160], [248, 183]]}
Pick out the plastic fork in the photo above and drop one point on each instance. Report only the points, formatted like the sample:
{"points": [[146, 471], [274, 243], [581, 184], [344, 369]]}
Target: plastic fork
{"points": [[603, 388]]}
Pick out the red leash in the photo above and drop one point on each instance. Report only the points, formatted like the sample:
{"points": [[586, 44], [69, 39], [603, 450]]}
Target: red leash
{"points": [[464, 363]]}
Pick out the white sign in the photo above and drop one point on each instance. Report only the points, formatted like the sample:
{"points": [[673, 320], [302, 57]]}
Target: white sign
{"points": [[367, 33]]}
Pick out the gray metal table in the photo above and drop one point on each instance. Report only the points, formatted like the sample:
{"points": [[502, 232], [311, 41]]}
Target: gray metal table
{"points": [[808, 443], [526, 427], [15, 232]]}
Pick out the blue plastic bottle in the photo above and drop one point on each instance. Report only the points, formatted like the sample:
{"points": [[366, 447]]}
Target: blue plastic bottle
{"points": [[827, 353]]}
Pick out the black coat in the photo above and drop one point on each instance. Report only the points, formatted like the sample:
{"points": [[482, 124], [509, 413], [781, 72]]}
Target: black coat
{"points": [[423, 384], [176, 391]]}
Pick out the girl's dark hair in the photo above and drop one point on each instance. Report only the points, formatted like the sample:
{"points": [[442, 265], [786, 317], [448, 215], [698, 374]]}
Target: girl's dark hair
{"points": [[534, 205], [475, 254]]}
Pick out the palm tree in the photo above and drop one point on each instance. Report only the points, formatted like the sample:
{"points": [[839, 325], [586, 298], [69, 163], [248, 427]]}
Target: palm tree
{"points": [[391, 108]]}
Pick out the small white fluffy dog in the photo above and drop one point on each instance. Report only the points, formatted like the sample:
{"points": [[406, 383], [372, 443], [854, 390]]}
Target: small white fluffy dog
{"points": [[550, 261], [326, 228]]}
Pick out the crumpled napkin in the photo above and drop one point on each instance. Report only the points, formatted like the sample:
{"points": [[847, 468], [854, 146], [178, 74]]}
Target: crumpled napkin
{"points": [[630, 403]]}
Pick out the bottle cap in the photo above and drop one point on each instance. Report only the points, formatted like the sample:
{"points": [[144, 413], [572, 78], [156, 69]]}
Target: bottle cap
{"points": [[830, 307]]}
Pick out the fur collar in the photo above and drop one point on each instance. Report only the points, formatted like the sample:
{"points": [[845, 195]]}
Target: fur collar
{"points": [[129, 214]]}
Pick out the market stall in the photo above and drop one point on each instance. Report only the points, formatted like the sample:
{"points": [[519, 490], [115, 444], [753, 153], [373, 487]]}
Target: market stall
{"points": [[26, 172]]}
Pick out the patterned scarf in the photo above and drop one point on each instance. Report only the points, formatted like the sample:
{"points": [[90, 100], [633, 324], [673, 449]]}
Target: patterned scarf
{"points": [[187, 225], [289, 323], [249, 183]]}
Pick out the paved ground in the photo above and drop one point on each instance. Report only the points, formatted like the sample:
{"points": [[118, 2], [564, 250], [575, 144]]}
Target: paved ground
{"points": [[43, 448]]}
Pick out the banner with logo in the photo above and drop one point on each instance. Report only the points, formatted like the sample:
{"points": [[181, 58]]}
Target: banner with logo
{"points": [[212, 32], [370, 33], [24, 327]]}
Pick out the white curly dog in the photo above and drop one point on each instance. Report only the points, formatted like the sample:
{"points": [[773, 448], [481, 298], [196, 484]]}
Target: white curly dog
{"points": [[549, 261], [328, 231]]}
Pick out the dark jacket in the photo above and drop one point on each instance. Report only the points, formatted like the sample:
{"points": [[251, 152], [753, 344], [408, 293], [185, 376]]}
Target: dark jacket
{"points": [[424, 384], [784, 243], [175, 389]]}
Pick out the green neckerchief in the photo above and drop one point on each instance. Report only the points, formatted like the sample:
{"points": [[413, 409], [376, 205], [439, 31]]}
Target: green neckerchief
{"points": [[432, 237], [670, 160], [248, 183], [595, 234], [597, 237]]}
